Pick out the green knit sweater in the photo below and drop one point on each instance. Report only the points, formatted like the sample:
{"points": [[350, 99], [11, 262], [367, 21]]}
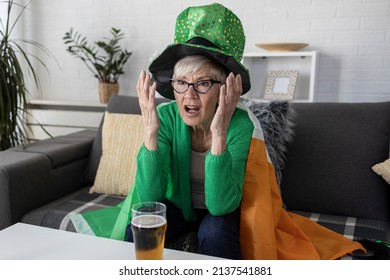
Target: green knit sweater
{"points": [[165, 173]]}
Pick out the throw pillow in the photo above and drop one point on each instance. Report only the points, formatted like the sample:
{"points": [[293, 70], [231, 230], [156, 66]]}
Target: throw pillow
{"points": [[276, 119], [122, 136], [383, 169]]}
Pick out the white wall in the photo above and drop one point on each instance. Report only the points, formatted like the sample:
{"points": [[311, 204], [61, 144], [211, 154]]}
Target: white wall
{"points": [[351, 36]]}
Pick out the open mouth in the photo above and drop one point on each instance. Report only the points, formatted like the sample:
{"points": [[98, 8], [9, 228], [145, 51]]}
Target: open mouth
{"points": [[191, 109]]}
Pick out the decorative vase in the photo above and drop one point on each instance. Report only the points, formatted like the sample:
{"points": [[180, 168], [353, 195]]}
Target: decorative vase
{"points": [[106, 90]]}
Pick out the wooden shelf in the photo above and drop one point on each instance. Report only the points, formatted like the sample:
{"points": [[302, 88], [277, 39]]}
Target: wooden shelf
{"points": [[83, 106], [62, 117]]}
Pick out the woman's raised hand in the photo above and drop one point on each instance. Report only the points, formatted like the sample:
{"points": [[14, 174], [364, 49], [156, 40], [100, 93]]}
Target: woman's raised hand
{"points": [[228, 98], [146, 99]]}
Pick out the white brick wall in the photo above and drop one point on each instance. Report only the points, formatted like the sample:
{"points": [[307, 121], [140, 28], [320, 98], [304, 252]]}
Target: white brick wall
{"points": [[351, 36]]}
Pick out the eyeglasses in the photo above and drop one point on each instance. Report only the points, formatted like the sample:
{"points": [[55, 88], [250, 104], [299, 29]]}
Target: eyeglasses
{"points": [[201, 87]]}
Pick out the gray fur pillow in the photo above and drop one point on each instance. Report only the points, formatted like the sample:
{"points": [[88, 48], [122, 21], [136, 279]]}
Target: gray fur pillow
{"points": [[276, 119]]}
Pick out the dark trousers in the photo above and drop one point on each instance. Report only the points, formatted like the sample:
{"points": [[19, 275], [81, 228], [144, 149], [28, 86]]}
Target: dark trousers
{"points": [[217, 235]]}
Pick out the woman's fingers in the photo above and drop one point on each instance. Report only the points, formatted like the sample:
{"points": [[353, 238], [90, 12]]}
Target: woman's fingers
{"points": [[144, 91], [140, 83], [146, 99], [238, 85], [152, 93], [146, 83], [235, 86], [233, 91]]}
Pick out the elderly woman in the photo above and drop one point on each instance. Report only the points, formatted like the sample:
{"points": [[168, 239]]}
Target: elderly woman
{"points": [[196, 147], [194, 153]]}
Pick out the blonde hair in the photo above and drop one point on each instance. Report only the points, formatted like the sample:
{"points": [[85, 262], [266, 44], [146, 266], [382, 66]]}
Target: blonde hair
{"points": [[195, 63]]}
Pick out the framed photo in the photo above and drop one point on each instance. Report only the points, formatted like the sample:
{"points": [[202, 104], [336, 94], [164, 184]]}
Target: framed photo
{"points": [[281, 84]]}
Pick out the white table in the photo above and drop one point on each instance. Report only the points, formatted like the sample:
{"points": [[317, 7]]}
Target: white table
{"points": [[28, 242]]}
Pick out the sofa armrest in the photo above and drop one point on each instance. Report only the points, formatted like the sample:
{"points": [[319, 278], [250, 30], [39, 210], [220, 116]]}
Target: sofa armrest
{"points": [[41, 172], [22, 175]]}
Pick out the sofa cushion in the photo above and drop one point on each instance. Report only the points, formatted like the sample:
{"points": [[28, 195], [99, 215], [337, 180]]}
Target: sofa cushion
{"points": [[328, 167], [122, 139], [57, 213], [120, 104], [276, 119], [383, 169]]}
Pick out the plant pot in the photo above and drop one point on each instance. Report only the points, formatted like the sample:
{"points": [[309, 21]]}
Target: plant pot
{"points": [[106, 90]]}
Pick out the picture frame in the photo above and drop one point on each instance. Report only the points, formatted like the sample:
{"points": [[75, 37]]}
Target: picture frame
{"points": [[281, 84]]}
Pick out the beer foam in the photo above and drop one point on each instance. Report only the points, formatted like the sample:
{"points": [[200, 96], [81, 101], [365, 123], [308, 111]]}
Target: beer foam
{"points": [[148, 221]]}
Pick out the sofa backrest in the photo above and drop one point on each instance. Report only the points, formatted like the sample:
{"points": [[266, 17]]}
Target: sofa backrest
{"points": [[328, 162], [120, 104]]}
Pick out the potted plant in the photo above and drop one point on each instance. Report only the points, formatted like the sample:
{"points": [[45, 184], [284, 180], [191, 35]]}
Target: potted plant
{"points": [[13, 91], [105, 59]]}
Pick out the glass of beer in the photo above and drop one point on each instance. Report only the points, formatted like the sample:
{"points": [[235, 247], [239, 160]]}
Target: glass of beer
{"points": [[148, 224]]}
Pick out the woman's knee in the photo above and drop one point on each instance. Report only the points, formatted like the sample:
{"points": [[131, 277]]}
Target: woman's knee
{"points": [[219, 236], [212, 227]]}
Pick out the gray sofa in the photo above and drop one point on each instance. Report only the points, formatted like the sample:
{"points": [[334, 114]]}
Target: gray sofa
{"points": [[325, 175]]}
